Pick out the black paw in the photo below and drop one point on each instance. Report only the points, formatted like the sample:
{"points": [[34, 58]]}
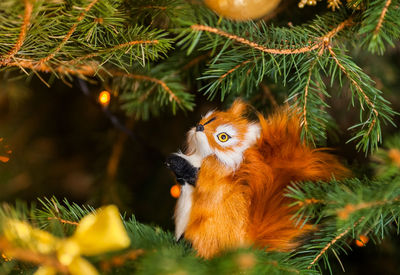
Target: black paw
{"points": [[183, 170]]}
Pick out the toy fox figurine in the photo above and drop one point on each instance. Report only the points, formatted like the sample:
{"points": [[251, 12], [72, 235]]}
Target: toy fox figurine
{"points": [[233, 178]]}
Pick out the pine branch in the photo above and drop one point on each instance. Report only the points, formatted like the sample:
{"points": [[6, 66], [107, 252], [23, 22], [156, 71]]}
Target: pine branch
{"points": [[371, 102], [120, 260], [306, 89], [161, 13], [386, 161], [62, 220], [26, 255], [269, 95], [309, 93], [113, 49], [312, 43], [172, 96], [332, 242], [64, 214], [99, 43], [381, 24], [149, 245], [235, 74], [344, 210], [163, 87], [24, 27], [351, 208], [242, 63], [221, 78], [251, 44], [382, 16], [68, 35], [170, 90]]}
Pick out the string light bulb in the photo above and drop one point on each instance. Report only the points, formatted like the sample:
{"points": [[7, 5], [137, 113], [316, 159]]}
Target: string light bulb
{"points": [[104, 98], [175, 191]]}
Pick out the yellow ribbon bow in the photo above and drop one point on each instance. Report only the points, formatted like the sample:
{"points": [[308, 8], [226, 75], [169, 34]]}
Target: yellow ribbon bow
{"points": [[95, 234]]}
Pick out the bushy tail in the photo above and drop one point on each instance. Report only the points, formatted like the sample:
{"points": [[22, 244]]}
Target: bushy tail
{"points": [[278, 159]]}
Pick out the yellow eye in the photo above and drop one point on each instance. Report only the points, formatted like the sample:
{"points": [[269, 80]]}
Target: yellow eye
{"points": [[223, 137]]}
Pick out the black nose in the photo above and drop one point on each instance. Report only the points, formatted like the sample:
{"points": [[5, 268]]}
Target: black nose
{"points": [[199, 128]]}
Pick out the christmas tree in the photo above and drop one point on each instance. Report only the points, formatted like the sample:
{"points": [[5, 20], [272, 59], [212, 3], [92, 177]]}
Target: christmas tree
{"points": [[96, 93]]}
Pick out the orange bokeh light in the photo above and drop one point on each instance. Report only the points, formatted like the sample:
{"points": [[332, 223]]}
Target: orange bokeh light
{"points": [[4, 158], [175, 191], [362, 240], [6, 259], [104, 98]]}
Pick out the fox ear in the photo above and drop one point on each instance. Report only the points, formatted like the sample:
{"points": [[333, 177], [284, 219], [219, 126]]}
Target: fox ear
{"points": [[238, 108]]}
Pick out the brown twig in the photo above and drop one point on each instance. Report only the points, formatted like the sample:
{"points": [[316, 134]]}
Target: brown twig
{"points": [[120, 46], [113, 164], [334, 241], [172, 96], [232, 70], [154, 7], [253, 44], [196, 60], [346, 23], [345, 212], [121, 259], [309, 201], [361, 91], [305, 122], [382, 16], [63, 221], [276, 264], [31, 256], [269, 95], [90, 70], [68, 35], [320, 42], [84, 70], [24, 28]]}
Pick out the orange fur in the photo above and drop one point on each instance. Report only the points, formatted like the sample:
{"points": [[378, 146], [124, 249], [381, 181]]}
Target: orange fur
{"points": [[234, 116], [233, 208], [278, 159], [219, 214]]}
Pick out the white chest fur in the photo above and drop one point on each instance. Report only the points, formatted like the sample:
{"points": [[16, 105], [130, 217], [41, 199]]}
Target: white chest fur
{"points": [[184, 203], [182, 210]]}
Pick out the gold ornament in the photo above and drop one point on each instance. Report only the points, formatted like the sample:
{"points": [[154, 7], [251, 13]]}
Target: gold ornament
{"points": [[332, 4], [302, 3], [242, 9], [95, 234]]}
